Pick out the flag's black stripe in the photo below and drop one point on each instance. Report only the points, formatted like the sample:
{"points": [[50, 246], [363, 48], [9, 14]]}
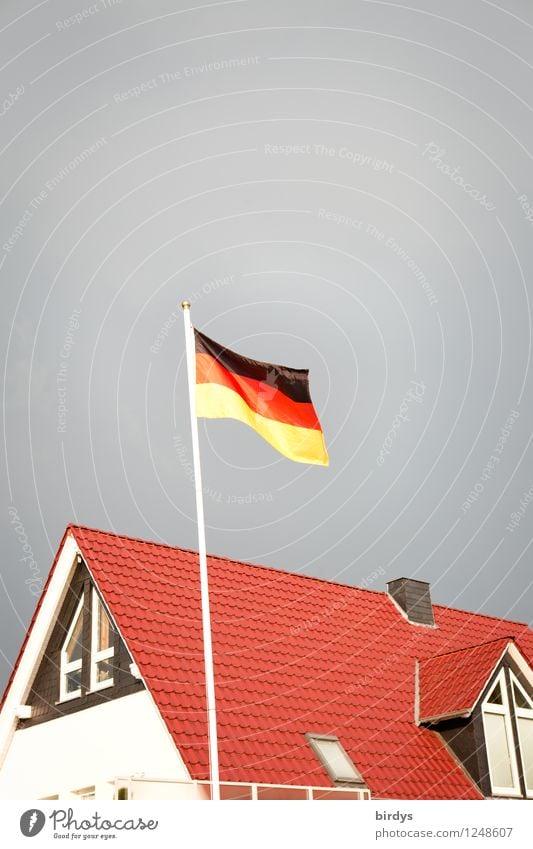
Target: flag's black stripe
{"points": [[294, 383]]}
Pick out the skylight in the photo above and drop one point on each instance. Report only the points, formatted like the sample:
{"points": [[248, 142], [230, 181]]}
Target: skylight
{"points": [[334, 758]]}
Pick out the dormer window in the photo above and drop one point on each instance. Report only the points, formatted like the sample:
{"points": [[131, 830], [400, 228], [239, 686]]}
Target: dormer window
{"points": [[102, 649], [72, 657], [335, 759], [508, 724], [524, 719], [499, 740]]}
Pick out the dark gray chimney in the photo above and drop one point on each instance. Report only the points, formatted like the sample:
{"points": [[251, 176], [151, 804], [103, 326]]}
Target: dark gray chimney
{"points": [[414, 598]]}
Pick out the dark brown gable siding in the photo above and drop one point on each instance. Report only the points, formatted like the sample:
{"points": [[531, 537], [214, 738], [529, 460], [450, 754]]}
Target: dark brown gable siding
{"points": [[466, 739], [45, 690], [460, 737]]}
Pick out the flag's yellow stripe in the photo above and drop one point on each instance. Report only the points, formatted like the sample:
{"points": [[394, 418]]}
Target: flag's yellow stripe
{"points": [[301, 444]]}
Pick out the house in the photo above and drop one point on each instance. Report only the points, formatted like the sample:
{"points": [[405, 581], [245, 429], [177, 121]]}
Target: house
{"points": [[323, 690]]}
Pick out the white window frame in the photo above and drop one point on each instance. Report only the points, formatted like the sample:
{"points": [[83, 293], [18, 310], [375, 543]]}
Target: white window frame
{"points": [[339, 780], [522, 713], [97, 656], [74, 665], [505, 711]]}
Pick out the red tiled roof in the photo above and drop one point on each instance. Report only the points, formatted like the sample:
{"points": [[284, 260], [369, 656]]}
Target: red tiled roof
{"points": [[451, 683], [292, 654]]}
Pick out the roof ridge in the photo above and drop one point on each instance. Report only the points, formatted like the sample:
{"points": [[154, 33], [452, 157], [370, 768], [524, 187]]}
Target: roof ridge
{"points": [[484, 615], [280, 570], [473, 646], [276, 569]]}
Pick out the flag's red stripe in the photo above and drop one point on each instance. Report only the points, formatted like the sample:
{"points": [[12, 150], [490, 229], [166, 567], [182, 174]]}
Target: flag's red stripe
{"points": [[293, 382], [268, 401]]}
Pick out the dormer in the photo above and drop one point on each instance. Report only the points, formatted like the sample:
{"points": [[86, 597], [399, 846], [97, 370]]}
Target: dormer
{"points": [[480, 701]]}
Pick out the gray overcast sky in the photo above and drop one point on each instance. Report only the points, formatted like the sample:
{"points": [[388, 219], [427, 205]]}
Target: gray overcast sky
{"points": [[344, 186]]}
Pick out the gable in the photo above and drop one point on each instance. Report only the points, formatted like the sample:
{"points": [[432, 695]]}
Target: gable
{"points": [[45, 698]]}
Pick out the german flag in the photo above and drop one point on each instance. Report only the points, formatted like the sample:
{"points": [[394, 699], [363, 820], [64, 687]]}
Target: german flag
{"points": [[272, 399]]}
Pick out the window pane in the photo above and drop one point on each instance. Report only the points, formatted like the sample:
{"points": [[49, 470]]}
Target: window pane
{"points": [[104, 671], [495, 697], [281, 793], [74, 647], [519, 698], [104, 629], [525, 730], [498, 750], [235, 791], [338, 762], [73, 680]]}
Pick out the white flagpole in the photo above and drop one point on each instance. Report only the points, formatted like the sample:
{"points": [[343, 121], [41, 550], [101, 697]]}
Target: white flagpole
{"points": [[204, 583]]}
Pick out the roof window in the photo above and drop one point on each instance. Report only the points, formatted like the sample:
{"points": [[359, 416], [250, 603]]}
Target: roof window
{"points": [[334, 759]]}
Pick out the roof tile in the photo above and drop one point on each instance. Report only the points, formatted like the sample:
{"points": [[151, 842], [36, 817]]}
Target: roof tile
{"points": [[451, 683]]}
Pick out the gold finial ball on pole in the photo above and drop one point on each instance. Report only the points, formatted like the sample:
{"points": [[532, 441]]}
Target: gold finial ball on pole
{"points": [[186, 305]]}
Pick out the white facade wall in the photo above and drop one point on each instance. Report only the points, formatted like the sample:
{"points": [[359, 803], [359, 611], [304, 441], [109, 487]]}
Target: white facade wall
{"points": [[123, 737]]}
